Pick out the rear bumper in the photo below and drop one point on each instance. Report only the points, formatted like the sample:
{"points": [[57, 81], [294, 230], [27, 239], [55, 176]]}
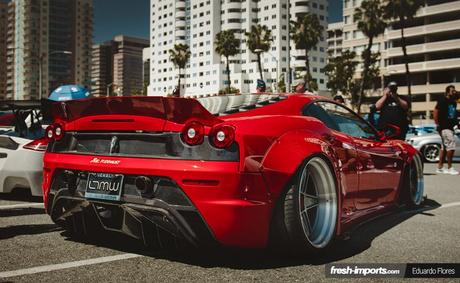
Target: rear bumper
{"points": [[223, 204]]}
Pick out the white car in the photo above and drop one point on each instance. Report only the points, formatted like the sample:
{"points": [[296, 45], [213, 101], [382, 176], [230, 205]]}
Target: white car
{"points": [[429, 145], [22, 148], [21, 163]]}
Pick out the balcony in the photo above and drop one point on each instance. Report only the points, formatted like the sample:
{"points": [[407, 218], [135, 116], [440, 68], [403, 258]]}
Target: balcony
{"points": [[180, 14], [423, 106], [439, 9], [425, 66], [232, 5], [425, 29], [424, 48], [180, 32], [298, 10], [429, 88], [180, 4]]}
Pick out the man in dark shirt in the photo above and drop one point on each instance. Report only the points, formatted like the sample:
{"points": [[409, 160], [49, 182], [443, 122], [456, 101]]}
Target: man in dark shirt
{"points": [[393, 110], [445, 117]]}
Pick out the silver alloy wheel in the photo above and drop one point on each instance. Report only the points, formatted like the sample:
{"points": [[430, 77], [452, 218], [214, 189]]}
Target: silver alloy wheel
{"points": [[431, 152], [416, 183], [317, 202]]}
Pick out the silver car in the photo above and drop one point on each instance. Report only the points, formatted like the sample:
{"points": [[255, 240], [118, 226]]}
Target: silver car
{"points": [[429, 145]]}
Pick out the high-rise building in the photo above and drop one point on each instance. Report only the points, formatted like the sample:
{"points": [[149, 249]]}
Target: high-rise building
{"points": [[196, 23], [118, 66], [334, 39], [128, 65], [49, 44], [146, 68], [102, 69], [3, 46], [433, 46]]}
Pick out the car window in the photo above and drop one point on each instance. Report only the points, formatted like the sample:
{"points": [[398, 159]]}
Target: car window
{"points": [[343, 120], [316, 111]]}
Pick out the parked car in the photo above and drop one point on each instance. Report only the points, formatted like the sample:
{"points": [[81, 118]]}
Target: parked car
{"points": [[22, 146], [294, 170], [420, 130], [429, 145]]}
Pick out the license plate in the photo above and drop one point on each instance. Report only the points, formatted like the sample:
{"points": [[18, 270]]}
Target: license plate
{"points": [[104, 186]]}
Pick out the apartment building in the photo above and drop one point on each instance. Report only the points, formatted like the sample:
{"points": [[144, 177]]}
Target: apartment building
{"points": [[118, 66], [146, 67], [128, 65], [334, 39], [197, 22], [49, 44], [3, 46], [102, 69], [433, 39]]}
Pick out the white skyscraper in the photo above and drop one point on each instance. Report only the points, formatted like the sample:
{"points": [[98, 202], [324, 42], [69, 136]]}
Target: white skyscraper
{"points": [[196, 23]]}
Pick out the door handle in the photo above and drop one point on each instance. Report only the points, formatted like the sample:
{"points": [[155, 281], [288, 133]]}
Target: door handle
{"points": [[3, 155]]}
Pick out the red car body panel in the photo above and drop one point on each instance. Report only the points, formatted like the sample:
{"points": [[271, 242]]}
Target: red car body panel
{"points": [[236, 199]]}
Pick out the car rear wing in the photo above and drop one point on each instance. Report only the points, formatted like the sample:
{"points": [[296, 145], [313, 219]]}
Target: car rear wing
{"points": [[22, 115], [177, 110]]}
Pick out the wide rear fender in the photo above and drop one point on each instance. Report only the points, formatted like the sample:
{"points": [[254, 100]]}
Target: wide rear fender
{"points": [[288, 153]]}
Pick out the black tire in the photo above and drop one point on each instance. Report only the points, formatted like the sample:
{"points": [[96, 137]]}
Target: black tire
{"points": [[431, 152], [413, 185], [306, 213]]}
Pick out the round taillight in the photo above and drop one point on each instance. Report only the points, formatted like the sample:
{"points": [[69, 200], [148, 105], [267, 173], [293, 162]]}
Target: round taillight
{"points": [[193, 133], [49, 132], [222, 136], [58, 132]]}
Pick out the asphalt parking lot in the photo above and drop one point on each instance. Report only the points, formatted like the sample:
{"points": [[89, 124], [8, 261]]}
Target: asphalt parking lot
{"points": [[34, 249]]}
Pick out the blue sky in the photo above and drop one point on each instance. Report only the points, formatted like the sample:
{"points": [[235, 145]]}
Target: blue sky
{"points": [[131, 17]]}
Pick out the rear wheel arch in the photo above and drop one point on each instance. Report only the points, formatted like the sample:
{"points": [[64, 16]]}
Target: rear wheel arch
{"points": [[288, 153], [280, 236]]}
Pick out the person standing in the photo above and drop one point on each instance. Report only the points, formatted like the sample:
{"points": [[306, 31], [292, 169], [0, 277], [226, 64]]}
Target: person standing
{"points": [[261, 88], [393, 110], [445, 117], [300, 86], [339, 99]]}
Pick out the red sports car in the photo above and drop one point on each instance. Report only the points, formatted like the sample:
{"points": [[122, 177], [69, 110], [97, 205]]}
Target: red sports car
{"points": [[297, 171]]}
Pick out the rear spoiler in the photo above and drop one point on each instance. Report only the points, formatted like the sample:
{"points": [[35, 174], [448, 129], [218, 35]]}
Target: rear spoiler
{"points": [[177, 110]]}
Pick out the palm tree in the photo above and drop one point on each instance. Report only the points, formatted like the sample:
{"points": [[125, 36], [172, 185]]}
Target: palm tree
{"points": [[179, 56], [340, 71], [370, 19], [227, 45], [404, 10], [306, 33], [259, 41]]}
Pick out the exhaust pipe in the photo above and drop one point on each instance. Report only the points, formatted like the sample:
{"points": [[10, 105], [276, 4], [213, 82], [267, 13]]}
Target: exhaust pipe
{"points": [[144, 185]]}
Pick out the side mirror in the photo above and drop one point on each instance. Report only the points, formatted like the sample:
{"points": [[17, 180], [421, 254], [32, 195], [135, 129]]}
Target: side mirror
{"points": [[392, 131]]}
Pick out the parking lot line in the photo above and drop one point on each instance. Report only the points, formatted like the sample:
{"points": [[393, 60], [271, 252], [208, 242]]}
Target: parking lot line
{"points": [[450, 204], [21, 205], [72, 264]]}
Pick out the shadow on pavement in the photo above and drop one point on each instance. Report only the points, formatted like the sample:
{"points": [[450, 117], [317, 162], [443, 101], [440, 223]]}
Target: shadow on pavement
{"points": [[20, 195], [249, 259], [21, 212], [20, 230]]}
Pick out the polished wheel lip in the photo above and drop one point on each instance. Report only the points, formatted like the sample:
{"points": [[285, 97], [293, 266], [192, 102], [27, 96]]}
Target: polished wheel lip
{"points": [[431, 152], [416, 182], [317, 198]]}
